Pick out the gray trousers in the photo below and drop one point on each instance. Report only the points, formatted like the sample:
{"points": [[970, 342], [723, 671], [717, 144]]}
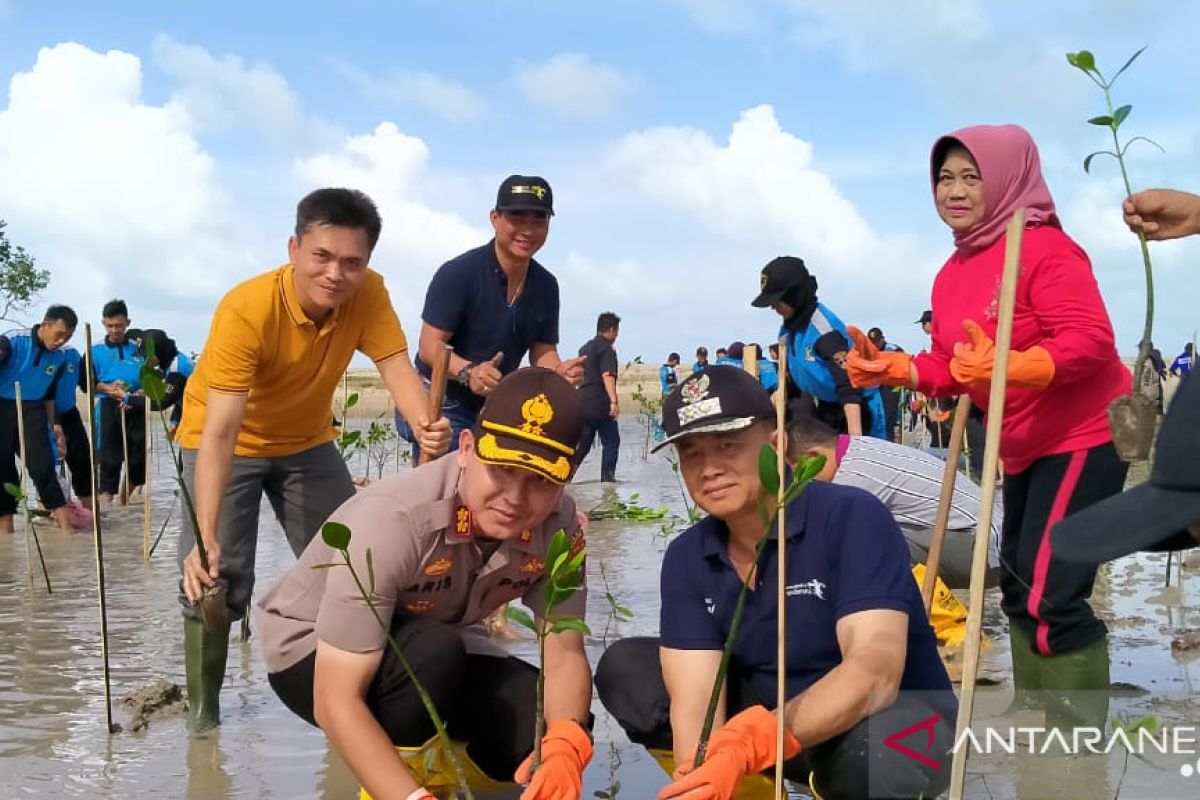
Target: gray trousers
{"points": [[958, 548], [304, 490]]}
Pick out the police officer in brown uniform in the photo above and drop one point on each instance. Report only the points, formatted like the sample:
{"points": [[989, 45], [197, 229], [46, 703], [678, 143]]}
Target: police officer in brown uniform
{"points": [[451, 541]]}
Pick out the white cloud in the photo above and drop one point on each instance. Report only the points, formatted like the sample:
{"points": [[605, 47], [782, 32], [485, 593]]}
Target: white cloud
{"points": [[113, 195], [571, 86], [760, 185], [446, 98], [223, 94], [393, 168]]}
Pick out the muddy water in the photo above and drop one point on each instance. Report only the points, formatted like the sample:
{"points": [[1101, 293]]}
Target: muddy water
{"points": [[53, 741]]}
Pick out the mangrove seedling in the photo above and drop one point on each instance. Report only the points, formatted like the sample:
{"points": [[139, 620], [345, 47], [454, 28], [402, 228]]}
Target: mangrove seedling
{"points": [[17, 494], [1140, 422], [629, 510], [337, 537], [564, 577], [212, 603], [803, 472], [616, 611]]}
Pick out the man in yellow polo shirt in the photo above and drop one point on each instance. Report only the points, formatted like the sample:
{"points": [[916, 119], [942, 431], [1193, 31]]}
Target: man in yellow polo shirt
{"points": [[257, 412]]}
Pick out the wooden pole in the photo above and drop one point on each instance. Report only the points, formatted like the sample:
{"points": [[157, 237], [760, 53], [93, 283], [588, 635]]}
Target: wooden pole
{"points": [[31, 532], [750, 359], [147, 509], [991, 460], [97, 538], [940, 522], [123, 492], [437, 389], [781, 448]]}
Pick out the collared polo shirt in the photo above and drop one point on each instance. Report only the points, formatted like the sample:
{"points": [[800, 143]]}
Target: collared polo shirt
{"points": [[844, 555], [601, 361], [28, 363], [427, 563], [468, 297], [263, 346], [118, 362]]}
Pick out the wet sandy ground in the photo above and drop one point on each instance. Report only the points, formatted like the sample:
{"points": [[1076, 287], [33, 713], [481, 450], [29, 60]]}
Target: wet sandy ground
{"points": [[53, 742]]}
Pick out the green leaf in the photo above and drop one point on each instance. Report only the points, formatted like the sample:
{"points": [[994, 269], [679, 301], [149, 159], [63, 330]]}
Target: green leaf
{"points": [[768, 470], [1127, 63], [153, 385], [1085, 61], [559, 545], [13, 490], [570, 624], [352, 401], [1161, 149], [336, 535], [521, 617], [1073, 59], [623, 611], [1120, 114], [325, 566], [810, 467], [370, 570], [1104, 121], [576, 561]]}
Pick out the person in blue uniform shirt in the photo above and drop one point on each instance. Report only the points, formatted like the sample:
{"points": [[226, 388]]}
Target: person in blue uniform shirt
{"points": [[731, 356], [494, 304], [701, 359], [668, 376], [32, 358], [1182, 364], [817, 348], [67, 418], [862, 660], [768, 372], [117, 371]]}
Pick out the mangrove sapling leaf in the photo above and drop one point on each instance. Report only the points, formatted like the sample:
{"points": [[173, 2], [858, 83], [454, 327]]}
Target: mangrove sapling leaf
{"points": [[352, 401], [564, 577], [1145, 139], [18, 495], [802, 474], [1086, 61], [767, 474], [370, 571], [338, 536]]}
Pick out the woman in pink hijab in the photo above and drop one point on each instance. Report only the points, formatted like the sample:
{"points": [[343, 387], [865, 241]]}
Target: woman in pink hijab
{"points": [[1063, 372]]}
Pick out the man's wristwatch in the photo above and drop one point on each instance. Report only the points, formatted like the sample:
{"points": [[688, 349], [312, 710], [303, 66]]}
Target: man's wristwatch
{"points": [[463, 376]]}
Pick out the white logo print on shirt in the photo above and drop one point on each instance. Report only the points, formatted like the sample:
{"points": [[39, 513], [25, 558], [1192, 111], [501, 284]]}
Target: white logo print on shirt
{"points": [[812, 588]]}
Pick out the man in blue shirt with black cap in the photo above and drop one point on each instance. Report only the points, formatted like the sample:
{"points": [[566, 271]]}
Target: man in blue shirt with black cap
{"points": [[493, 305], [862, 661]]}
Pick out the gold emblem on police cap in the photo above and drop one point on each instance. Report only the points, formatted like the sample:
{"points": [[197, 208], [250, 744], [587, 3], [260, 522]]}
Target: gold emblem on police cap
{"points": [[537, 412], [762, 280], [694, 391]]}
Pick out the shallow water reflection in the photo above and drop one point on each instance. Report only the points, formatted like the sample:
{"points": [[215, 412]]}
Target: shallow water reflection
{"points": [[53, 743]]}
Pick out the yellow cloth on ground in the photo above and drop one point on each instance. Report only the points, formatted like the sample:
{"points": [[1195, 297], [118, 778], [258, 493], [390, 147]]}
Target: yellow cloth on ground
{"points": [[947, 615], [431, 768], [752, 787]]}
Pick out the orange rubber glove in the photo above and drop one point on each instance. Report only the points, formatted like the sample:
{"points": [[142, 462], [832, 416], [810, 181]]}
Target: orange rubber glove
{"points": [[566, 752], [869, 366], [974, 361], [743, 745], [421, 794]]}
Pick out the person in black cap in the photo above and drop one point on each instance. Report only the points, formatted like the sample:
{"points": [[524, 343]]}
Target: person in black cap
{"points": [[926, 321], [817, 348], [1160, 515], [494, 304], [449, 542], [861, 648]]}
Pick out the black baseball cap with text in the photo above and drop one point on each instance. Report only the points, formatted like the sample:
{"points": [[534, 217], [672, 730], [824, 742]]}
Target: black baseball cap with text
{"points": [[525, 193], [778, 276], [715, 400], [1153, 516]]}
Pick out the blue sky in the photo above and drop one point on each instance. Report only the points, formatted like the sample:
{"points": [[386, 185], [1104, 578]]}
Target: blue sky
{"points": [[156, 151]]}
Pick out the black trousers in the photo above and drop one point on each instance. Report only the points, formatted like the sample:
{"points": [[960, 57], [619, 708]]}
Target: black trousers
{"points": [[486, 702], [1046, 597], [850, 766], [610, 439], [39, 458], [79, 460], [112, 453]]}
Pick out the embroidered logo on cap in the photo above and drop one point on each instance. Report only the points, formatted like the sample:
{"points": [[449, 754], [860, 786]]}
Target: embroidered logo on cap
{"points": [[537, 412], [534, 189], [694, 391], [700, 410]]}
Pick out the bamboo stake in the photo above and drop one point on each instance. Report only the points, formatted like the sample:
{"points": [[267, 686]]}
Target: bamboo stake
{"points": [[781, 448], [750, 359], [147, 509], [942, 520], [991, 460], [96, 535], [31, 530], [123, 492], [437, 389]]}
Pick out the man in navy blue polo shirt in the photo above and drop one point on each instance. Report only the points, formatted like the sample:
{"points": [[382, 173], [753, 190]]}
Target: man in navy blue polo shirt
{"points": [[493, 305], [862, 660]]}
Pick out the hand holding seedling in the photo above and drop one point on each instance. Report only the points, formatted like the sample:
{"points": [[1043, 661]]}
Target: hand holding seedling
{"points": [[743, 746], [1163, 213]]}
